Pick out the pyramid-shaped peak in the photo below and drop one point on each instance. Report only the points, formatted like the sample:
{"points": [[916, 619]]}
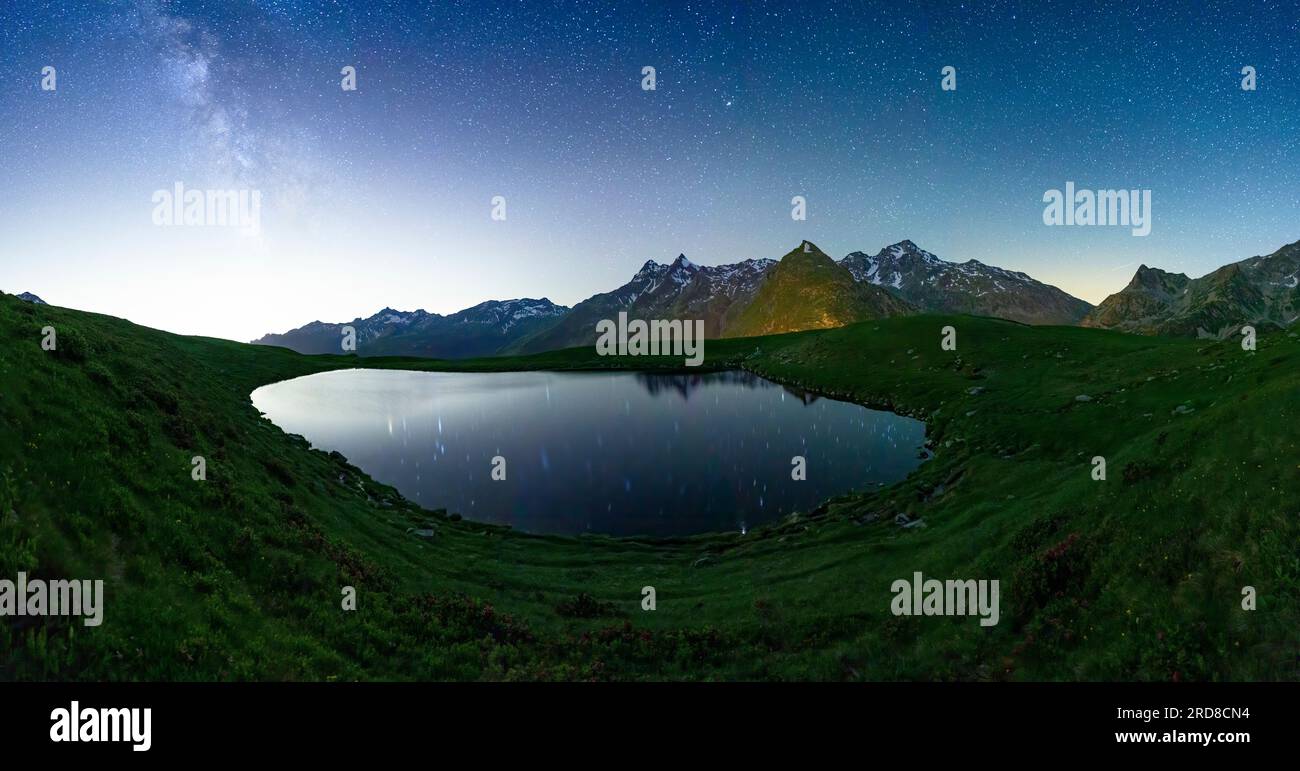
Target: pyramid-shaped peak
{"points": [[682, 262]]}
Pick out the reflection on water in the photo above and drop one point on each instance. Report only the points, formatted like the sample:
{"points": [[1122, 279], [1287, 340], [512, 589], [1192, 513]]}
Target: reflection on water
{"points": [[685, 384], [617, 453]]}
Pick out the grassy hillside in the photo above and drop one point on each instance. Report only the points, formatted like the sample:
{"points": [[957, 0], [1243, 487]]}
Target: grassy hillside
{"points": [[239, 577]]}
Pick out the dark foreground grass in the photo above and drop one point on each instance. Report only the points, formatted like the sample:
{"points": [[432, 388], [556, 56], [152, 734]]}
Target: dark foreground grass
{"points": [[240, 577]]}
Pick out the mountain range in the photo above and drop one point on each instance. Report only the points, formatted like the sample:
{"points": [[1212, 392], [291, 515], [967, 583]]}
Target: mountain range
{"points": [[483, 330], [1261, 291], [680, 290], [807, 289], [969, 287]]}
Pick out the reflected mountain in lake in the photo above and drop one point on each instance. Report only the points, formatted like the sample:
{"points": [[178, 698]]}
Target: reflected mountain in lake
{"points": [[684, 385], [597, 452]]}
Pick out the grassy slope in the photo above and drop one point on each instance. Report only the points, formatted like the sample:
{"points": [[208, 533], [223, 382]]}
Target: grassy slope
{"points": [[239, 577]]}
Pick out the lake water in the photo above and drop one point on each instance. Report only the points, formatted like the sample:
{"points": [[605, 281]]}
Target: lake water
{"points": [[616, 453]]}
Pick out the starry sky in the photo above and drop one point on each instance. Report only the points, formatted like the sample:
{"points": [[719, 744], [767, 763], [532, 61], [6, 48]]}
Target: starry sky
{"points": [[382, 196]]}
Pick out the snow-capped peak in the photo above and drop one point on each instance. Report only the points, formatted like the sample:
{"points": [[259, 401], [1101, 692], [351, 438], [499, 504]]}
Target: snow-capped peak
{"points": [[394, 317], [682, 262], [908, 248], [650, 268]]}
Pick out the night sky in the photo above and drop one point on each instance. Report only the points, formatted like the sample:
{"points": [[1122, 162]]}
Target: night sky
{"points": [[382, 196]]}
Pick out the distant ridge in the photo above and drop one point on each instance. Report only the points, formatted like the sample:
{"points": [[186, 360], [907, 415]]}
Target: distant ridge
{"points": [[1260, 291], [969, 287], [483, 330], [679, 290], [805, 289]]}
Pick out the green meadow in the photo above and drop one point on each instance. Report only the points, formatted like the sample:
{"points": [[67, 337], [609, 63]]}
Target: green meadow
{"points": [[239, 577]]}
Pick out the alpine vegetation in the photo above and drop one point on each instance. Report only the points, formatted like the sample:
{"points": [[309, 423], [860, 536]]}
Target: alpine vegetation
{"points": [[658, 337]]}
